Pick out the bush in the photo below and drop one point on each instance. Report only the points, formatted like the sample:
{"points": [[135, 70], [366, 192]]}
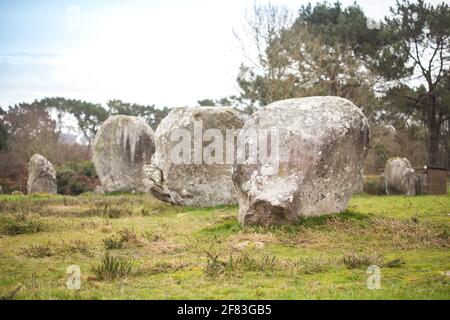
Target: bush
{"points": [[9, 185], [373, 185], [76, 177]]}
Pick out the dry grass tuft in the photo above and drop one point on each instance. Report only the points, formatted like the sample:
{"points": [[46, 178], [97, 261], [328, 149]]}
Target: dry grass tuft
{"points": [[164, 247], [112, 268], [12, 294], [354, 260], [162, 267], [38, 251], [113, 242], [409, 233], [311, 265], [50, 249]]}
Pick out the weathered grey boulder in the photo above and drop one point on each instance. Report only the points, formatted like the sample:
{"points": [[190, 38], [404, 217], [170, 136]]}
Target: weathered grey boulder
{"points": [[182, 171], [122, 146], [322, 142], [41, 175], [399, 177]]}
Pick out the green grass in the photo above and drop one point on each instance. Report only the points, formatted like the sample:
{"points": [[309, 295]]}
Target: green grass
{"points": [[135, 247]]}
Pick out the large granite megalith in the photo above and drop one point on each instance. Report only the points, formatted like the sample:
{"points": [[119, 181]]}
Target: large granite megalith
{"points": [[190, 164], [41, 175], [321, 145], [122, 146], [399, 177]]}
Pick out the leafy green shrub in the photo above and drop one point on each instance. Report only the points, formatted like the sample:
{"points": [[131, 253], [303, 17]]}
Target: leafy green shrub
{"points": [[76, 177], [9, 185], [373, 185], [112, 268]]}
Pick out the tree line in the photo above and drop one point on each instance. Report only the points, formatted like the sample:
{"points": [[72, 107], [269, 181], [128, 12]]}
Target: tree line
{"points": [[42, 126]]}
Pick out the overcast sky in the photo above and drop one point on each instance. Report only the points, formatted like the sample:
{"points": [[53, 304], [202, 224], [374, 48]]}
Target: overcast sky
{"points": [[163, 52]]}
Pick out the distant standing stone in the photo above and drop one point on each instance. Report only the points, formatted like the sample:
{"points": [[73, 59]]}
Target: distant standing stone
{"points": [[322, 146], [122, 146], [399, 177], [41, 175]]}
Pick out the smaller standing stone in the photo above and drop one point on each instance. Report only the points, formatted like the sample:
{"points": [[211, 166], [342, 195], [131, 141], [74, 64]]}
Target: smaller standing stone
{"points": [[41, 175], [1, 190], [399, 177]]}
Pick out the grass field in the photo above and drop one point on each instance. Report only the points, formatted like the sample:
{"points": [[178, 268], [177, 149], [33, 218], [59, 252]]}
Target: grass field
{"points": [[135, 247]]}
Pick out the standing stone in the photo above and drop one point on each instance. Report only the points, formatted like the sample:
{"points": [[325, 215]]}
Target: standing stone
{"points": [[122, 146], [41, 175], [1, 190], [193, 180], [399, 177], [322, 143]]}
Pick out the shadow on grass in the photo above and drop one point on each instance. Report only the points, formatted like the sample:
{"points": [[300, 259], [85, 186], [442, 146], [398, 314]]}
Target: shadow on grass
{"points": [[231, 225], [223, 207], [320, 221], [223, 228]]}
